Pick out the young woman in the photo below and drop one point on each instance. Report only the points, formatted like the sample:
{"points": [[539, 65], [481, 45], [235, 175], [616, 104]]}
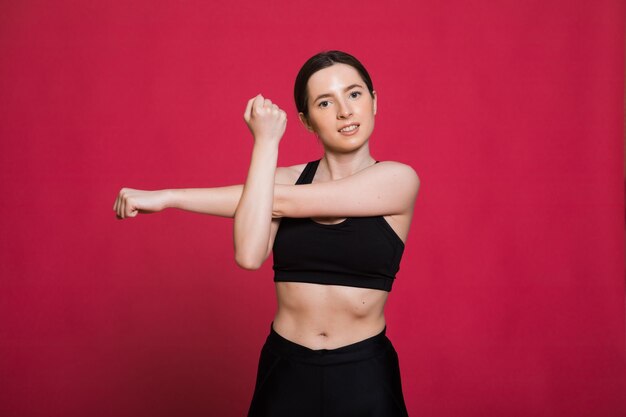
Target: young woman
{"points": [[336, 226]]}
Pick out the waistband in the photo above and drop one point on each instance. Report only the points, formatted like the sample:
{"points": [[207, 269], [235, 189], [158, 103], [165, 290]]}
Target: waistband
{"points": [[364, 349]]}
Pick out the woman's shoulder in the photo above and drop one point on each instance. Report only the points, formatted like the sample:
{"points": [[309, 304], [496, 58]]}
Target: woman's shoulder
{"points": [[289, 174], [400, 175], [400, 169], [389, 162]]}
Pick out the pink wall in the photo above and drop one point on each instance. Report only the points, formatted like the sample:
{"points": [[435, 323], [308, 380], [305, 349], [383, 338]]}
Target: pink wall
{"points": [[510, 297]]}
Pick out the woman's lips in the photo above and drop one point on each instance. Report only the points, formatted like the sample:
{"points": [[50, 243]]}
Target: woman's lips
{"points": [[349, 130]]}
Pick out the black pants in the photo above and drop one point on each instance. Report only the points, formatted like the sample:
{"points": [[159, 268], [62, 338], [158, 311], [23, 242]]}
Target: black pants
{"points": [[358, 380]]}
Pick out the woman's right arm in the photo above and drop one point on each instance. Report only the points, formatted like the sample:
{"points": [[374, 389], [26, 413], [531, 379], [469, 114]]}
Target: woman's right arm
{"points": [[217, 201]]}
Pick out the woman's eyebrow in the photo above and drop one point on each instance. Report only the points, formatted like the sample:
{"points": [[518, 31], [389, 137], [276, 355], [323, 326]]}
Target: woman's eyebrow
{"points": [[350, 87]]}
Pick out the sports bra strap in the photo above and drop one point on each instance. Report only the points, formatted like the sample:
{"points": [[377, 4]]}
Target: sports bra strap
{"points": [[306, 177]]}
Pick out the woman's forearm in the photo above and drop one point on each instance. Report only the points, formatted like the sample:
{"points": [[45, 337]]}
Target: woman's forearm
{"points": [[217, 201], [253, 215]]}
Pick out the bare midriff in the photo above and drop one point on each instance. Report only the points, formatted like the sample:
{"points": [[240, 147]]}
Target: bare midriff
{"points": [[328, 316]]}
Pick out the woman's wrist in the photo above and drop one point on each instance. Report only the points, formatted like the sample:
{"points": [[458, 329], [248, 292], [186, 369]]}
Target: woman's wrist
{"points": [[263, 162], [266, 144], [172, 198]]}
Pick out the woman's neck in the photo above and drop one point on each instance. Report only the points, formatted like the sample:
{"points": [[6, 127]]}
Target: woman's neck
{"points": [[334, 167]]}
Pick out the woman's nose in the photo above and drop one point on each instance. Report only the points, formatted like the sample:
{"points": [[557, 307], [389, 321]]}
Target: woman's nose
{"points": [[343, 110]]}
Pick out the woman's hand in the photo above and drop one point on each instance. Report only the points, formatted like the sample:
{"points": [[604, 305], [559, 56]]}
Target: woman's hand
{"points": [[129, 202], [266, 120]]}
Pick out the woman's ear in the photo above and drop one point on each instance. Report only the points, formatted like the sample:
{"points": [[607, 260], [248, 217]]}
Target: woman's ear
{"points": [[305, 122], [374, 96]]}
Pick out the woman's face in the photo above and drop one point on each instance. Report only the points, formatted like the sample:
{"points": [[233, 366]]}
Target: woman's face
{"points": [[341, 109]]}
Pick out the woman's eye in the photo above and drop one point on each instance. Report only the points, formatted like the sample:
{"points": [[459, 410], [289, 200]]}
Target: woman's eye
{"points": [[355, 94], [323, 104]]}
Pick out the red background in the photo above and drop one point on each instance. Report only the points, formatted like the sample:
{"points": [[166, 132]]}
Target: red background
{"points": [[510, 296]]}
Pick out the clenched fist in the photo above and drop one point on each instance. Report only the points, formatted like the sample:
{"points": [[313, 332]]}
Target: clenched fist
{"points": [[130, 202], [266, 120]]}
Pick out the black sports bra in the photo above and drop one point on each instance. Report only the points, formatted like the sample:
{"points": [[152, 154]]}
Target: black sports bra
{"points": [[358, 252]]}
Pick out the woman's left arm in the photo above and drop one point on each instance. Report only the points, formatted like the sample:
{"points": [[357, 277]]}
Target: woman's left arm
{"points": [[385, 188]]}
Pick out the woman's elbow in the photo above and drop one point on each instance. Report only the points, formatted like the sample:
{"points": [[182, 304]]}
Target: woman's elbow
{"points": [[248, 262]]}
